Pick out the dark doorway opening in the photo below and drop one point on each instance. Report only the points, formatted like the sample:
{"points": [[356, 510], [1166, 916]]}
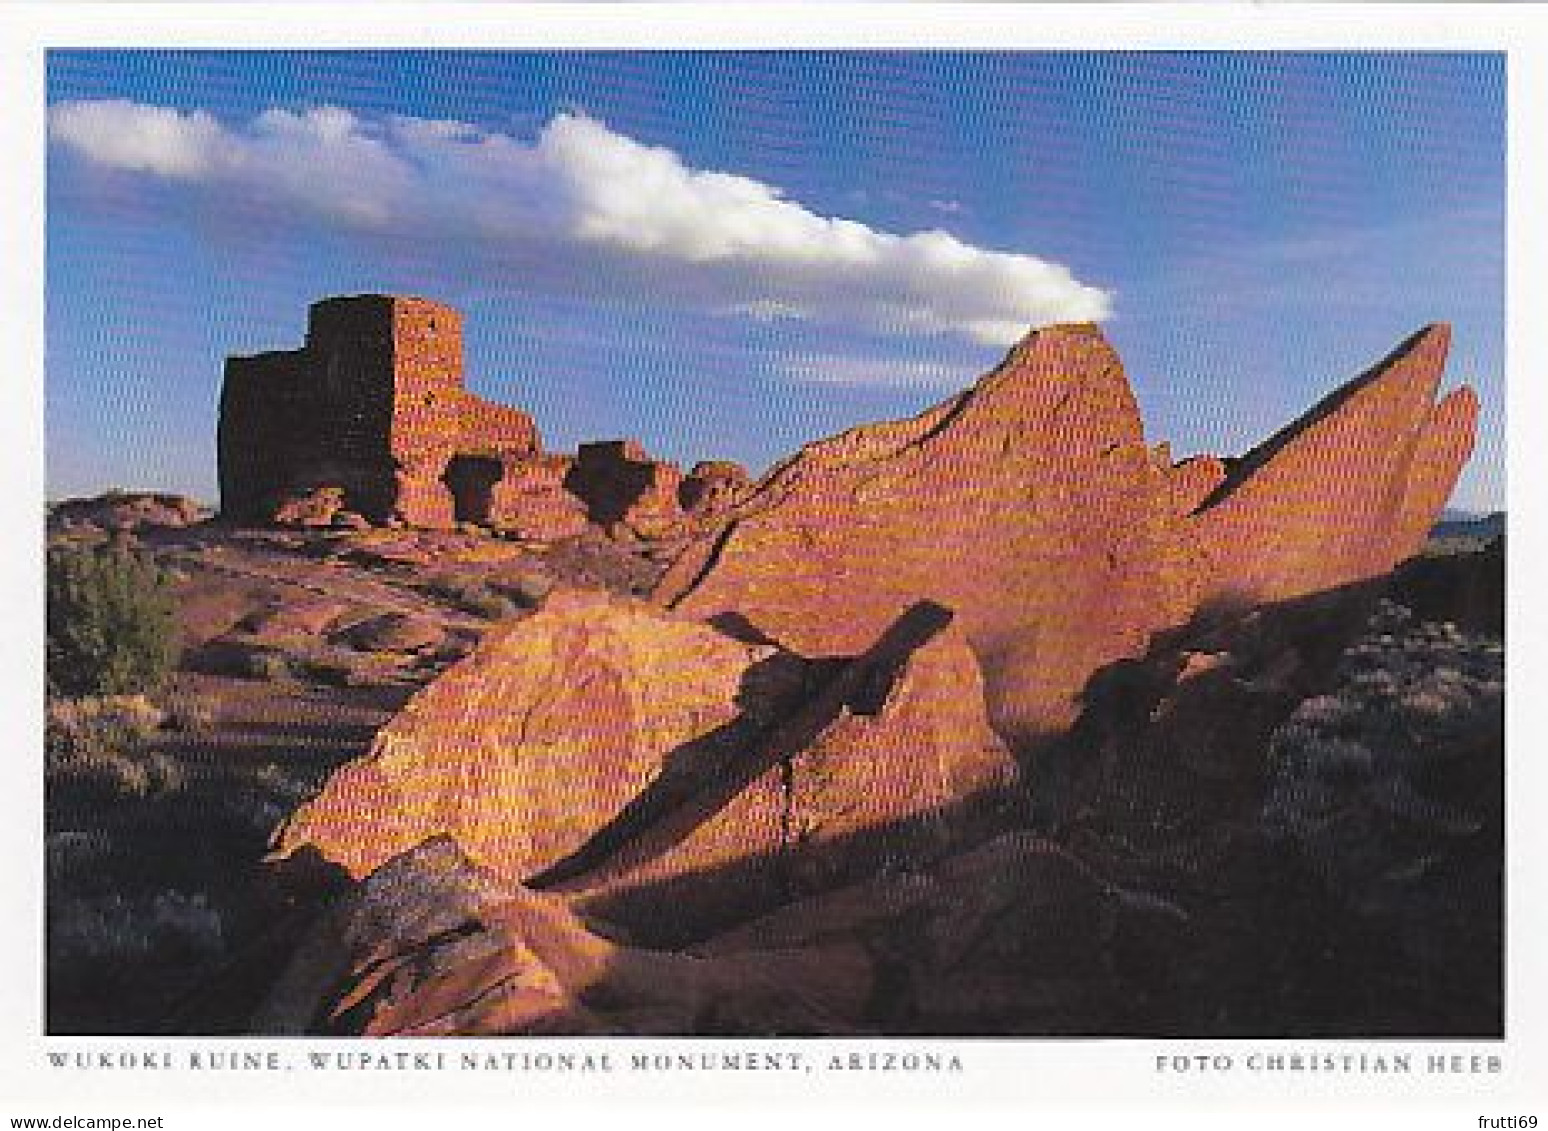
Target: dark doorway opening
{"points": [[471, 480]]}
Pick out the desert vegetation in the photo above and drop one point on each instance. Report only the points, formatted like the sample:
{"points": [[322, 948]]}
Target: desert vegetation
{"points": [[202, 681], [110, 623]]}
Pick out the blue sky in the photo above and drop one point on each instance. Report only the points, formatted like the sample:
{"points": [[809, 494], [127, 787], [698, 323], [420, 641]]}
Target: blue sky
{"points": [[727, 254]]}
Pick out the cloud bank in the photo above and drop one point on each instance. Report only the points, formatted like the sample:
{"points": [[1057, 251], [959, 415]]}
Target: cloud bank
{"points": [[635, 212]]}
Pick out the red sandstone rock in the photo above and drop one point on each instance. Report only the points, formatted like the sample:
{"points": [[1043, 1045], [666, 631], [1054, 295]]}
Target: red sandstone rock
{"points": [[1347, 491], [287, 621], [315, 506], [830, 772], [1442, 449], [712, 488], [431, 945], [609, 747], [1029, 505]]}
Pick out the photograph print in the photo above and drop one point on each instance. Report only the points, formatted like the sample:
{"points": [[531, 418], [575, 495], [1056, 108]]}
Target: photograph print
{"points": [[775, 543]]}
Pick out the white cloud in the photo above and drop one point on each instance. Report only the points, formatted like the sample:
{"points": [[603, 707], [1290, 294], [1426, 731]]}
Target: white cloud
{"points": [[691, 235], [859, 369], [143, 139]]}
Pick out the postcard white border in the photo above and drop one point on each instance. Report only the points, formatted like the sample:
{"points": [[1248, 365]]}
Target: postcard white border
{"points": [[1076, 1080]]}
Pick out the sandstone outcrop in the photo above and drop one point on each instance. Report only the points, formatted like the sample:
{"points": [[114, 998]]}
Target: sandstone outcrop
{"points": [[125, 511], [601, 746], [530, 501], [712, 488], [1008, 937], [310, 506], [1347, 491], [1031, 506]]}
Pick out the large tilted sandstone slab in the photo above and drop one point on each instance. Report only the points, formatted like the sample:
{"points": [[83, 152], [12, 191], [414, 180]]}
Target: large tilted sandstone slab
{"points": [[1348, 490], [602, 745], [372, 407], [1031, 507]]}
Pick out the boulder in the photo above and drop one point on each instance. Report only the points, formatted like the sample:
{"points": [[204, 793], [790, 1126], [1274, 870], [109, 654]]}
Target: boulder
{"points": [[1193, 480], [1029, 505], [605, 748], [1012, 936], [394, 632], [308, 506]]}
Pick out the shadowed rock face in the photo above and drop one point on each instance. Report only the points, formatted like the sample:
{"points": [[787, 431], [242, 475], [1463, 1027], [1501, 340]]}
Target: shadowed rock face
{"points": [[1031, 507], [998, 939]]}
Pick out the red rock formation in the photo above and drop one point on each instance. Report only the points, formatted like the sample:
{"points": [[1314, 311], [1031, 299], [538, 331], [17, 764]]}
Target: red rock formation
{"points": [[531, 501], [1029, 505], [601, 745], [313, 506]]}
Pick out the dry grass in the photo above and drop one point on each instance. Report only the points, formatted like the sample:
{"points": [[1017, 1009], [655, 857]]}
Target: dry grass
{"points": [[96, 751]]}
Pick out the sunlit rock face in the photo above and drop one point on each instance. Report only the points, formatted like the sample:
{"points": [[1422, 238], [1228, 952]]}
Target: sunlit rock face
{"points": [[1031, 506]]}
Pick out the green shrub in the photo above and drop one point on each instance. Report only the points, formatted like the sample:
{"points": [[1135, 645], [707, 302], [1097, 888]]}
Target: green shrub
{"points": [[111, 626]]}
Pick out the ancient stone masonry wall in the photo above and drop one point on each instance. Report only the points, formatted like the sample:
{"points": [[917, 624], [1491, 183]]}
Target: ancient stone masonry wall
{"points": [[372, 409]]}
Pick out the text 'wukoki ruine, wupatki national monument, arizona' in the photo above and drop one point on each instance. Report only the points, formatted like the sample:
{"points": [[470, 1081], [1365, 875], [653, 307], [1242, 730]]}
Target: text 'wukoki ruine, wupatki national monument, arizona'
{"points": [[788, 789]]}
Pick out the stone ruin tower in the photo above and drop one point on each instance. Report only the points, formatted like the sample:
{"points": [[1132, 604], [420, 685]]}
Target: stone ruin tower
{"points": [[369, 415]]}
